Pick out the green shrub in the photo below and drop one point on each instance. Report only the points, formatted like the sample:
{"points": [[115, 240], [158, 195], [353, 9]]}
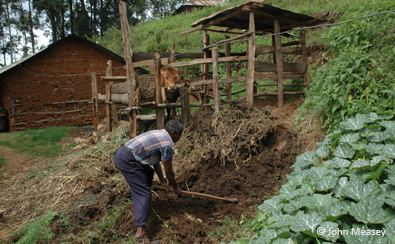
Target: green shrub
{"points": [[347, 184]]}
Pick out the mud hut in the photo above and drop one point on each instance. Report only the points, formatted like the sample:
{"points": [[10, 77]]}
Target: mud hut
{"points": [[53, 87]]}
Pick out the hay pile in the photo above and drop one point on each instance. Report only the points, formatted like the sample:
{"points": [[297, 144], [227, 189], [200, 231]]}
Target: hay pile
{"points": [[231, 136], [26, 197]]}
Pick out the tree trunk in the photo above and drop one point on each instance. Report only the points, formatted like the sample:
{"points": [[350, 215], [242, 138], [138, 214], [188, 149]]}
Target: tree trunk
{"points": [[9, 31], [71, 16], [31, 26], [62, 28]]}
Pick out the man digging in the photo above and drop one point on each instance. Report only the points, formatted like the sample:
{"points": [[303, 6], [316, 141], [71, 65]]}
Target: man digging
{"points": [[134, 158]]}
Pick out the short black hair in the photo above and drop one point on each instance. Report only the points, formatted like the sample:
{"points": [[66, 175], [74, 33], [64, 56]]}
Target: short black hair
{"points": [[174, 125]]}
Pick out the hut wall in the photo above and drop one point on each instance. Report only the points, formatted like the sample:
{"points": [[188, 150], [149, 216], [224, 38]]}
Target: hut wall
{"points": [[42, 89]]}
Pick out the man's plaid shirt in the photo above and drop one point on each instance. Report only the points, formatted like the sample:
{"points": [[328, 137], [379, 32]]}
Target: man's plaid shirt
{"points": [[152, 147]]}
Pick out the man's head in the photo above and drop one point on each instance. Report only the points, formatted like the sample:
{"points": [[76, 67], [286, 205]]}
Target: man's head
{"points": [[175, 129]]}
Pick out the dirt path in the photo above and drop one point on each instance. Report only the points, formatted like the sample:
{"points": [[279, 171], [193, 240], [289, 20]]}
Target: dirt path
{"points": [[16, 162], [17, 165]]}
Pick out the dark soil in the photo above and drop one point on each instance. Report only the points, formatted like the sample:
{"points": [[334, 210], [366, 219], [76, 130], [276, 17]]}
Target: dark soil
{"points": [[241, 153]]}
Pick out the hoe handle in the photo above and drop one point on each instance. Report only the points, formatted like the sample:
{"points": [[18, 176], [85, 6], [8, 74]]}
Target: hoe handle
{"points": [[199, 194]]}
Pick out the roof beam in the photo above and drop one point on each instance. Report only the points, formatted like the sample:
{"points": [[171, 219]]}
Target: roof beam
{"points": [[215, 21]]}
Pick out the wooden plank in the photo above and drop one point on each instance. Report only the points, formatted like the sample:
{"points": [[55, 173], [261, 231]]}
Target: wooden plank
{"points": [[215, 80], [185, 105], [261, 49], [108, 94], [206, 54], [226, 31], [160, 113], [286, 67], [304, 57], [279, 63], [286, 76], [251, 61], [129, 65], [206, 61], [213, 22], [94, 100], [228, 71], [276, 94], [220, 81], [233, 38]]}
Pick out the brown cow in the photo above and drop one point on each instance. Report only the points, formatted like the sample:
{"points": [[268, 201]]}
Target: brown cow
{"points": [[170, 77]]}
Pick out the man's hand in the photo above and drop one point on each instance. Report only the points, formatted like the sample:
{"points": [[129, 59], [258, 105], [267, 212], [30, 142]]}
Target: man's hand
{"points": [[178, 191], [165, 185]]}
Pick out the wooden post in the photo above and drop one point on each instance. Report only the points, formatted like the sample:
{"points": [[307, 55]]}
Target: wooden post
{"points": [[185, 105], [206, 54], [173, 57], [215, 80], [113, 106], [304, 57], [108, 97], [186, 75], [228, 71], [274, 48], [160, 112], [94, 100], [279, 62], [251, 61], [129, 66]]}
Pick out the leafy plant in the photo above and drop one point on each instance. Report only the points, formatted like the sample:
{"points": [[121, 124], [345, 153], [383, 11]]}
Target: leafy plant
{"points": [[356, 79], [347, 184]]}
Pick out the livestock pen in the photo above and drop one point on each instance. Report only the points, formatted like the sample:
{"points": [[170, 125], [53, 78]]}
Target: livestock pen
{"points": [[246, 21]]}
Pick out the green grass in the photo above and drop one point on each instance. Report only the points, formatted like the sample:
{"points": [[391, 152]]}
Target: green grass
{"points": [[37, 142], [37, 229]]}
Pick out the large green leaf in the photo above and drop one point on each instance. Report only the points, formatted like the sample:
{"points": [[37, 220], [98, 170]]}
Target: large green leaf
{"points": [[334, 211], [359, 164], [378, 159], [389, 228], [298, 192], [360, 234], [296, 178], [266, 236], [369, 210], [349, 138], [357, 190], [374, 148], [379, 136], [354, 124], [287, 188], [337, 163], [387, 124], [376, 171], [306, 222], [305, 159], [293, 205], [389, 150], [322, 152], [316, 173], [326, 183], [316, 200], [271, 205], [341, 183], [329, 231], [344, 151]]}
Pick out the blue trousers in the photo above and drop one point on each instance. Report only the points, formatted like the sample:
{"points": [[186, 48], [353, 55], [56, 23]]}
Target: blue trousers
{"points": [[139, 178]]}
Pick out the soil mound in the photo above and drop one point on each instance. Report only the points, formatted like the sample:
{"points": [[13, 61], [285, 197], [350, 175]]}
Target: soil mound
{"points": [[237, 153]]}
